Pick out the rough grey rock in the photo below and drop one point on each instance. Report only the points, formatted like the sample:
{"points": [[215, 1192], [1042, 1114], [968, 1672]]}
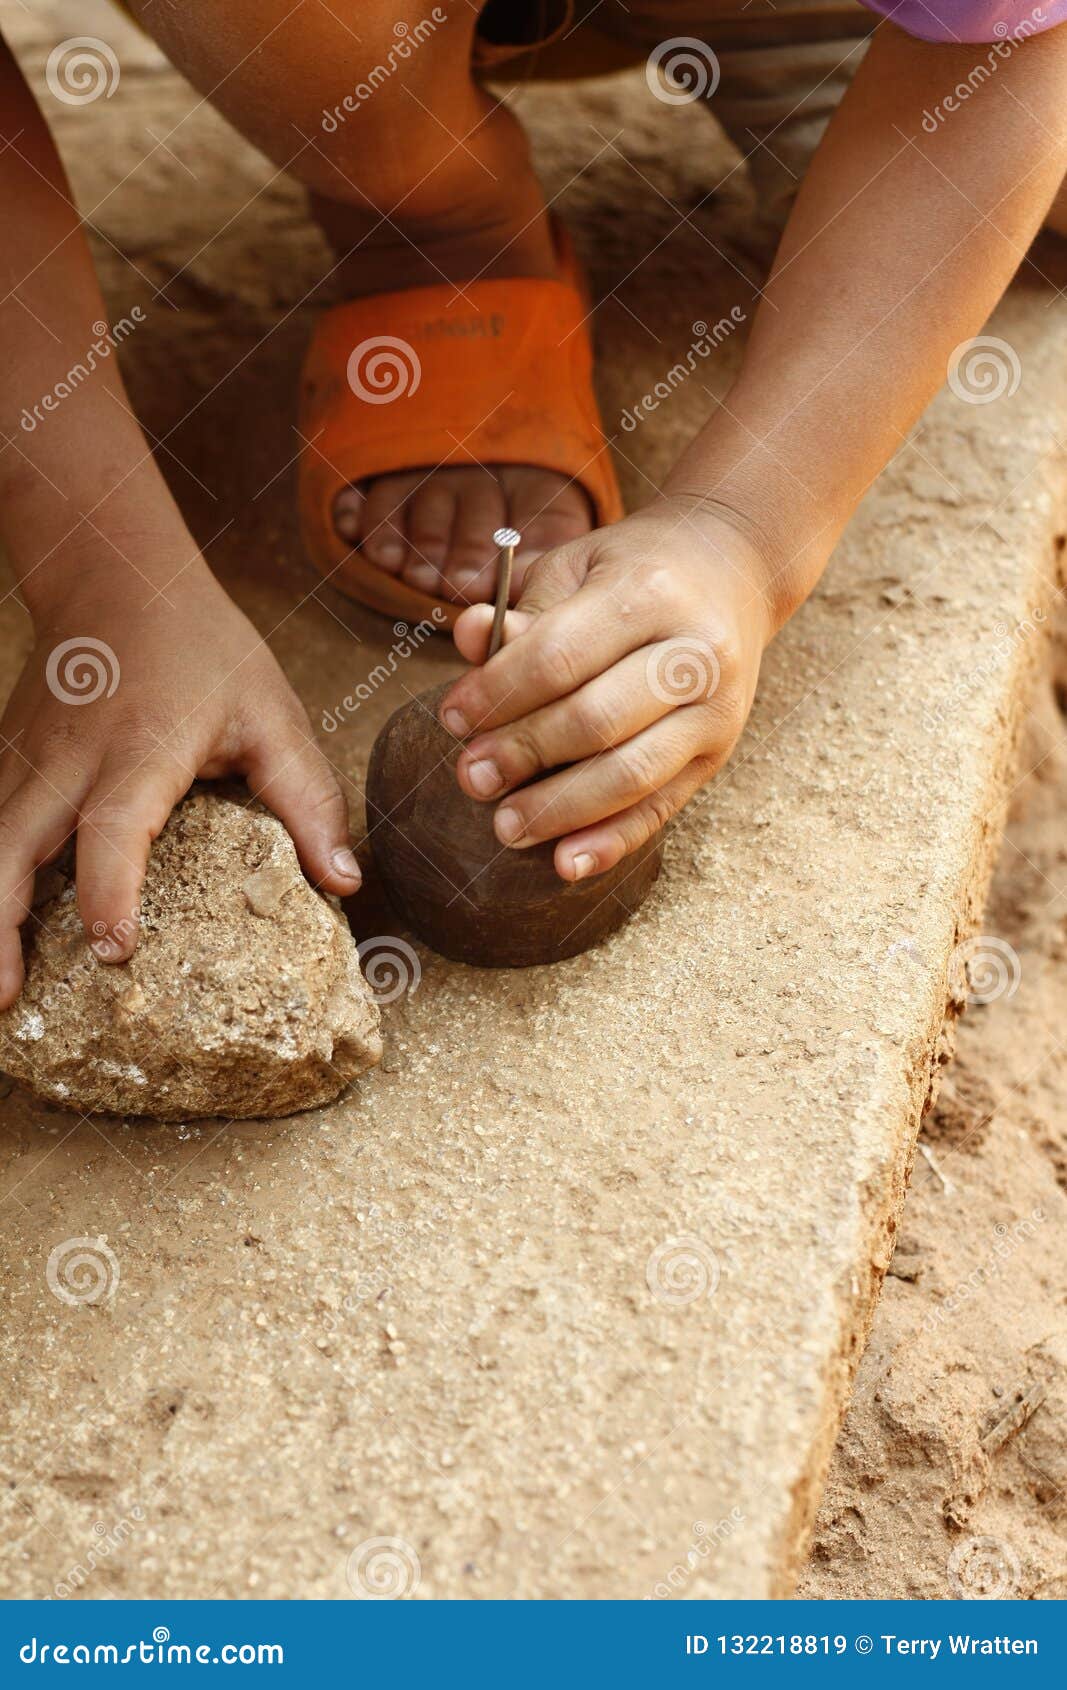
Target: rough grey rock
{"points": [[244, 996]]}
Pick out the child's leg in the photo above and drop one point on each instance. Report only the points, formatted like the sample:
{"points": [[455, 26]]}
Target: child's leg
{"points": [[772, 71], [428, 180], [1057, 217], [774, 74]]}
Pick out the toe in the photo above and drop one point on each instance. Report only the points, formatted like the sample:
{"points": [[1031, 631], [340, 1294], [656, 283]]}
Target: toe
{"points": [[480, 511], [384, 536], [547, 510], [348, 514], [431, 511], [468, 571]]}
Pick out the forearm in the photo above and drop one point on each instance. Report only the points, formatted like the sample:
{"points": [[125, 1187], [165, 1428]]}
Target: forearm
{"points": [[79, 492], [899, 247]]}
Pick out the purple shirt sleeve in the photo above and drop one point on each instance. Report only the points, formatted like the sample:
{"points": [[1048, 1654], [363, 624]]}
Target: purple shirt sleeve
{"points": [[972, 20]]}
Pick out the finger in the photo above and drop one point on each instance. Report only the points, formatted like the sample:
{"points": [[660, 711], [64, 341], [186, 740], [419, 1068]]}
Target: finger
{"points": [[551, 650], [604, 713], [127, 808], [551, 580], [35, 821], [579, 797], [595, 849], [291, 775]]}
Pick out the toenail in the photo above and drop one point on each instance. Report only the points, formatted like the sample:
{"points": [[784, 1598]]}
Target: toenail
{"points": [[583, 865], [390, 551], [423, 576], [484, 777], [456, 723], [509, 826]]}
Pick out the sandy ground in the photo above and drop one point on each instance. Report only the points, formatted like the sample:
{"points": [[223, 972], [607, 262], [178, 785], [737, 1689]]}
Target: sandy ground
{"points": [[933, 1471]]}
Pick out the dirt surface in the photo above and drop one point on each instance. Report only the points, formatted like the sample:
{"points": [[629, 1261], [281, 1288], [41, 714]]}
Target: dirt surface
{"points": [[953, 1458]]}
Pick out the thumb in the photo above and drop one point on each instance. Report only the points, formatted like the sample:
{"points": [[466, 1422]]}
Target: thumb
{"points": [[555, 576], [293, 778]]}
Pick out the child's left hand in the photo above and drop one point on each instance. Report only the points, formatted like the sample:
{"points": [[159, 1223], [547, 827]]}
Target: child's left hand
{"points": [[631, 658]]}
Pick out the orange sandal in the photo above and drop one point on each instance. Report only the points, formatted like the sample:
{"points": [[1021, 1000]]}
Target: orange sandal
{"points": [[492, 372]]}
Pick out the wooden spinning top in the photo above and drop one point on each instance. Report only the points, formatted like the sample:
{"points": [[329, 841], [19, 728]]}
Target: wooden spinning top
{"points": [[447, 874]]}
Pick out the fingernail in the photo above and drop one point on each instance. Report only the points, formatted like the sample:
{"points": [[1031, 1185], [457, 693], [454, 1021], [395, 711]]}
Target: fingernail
{"points": [[456, 723], [584, 864], [112, 944], [345, 864], [509, 825], [388, 551], [484, 777]]}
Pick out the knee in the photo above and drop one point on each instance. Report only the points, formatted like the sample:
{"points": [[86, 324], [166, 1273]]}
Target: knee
{"points": [[391, 57], [346, 111]]}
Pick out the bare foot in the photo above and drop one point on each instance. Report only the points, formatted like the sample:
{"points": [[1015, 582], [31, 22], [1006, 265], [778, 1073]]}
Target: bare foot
{"points": [[434, 528]]}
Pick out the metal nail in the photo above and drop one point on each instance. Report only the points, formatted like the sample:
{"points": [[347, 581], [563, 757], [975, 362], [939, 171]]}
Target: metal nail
{"points": [[507, 539]]}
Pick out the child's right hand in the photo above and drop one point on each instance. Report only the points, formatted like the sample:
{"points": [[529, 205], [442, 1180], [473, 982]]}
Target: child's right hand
{"points": [[178, 688]]}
